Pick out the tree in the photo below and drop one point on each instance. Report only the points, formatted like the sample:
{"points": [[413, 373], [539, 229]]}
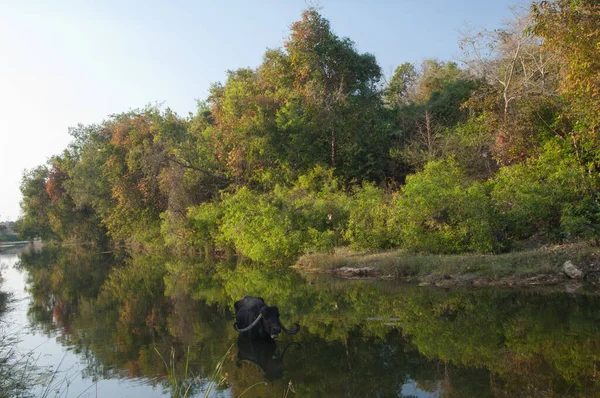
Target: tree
{"points": [[571, 30], [402, 82], [339, 87], [314, 102], [520, 100], [433, 107], [36, 201], [88, 183], [194, 175], [135, 167], [511, 59]]}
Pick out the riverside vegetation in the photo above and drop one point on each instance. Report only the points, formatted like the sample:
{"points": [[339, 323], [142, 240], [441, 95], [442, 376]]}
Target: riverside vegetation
{"points": [[358, 338], [314, 150]]}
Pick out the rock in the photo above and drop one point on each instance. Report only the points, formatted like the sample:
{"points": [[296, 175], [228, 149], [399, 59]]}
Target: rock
{"points": [[446, 283], [482, 281], [349, 272], [465, 278], [572, 271], [455, 280]]}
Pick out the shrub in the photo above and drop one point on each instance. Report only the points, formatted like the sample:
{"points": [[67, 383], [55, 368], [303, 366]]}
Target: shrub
{"points": [[531, 195], [582, 220], [287, 222], [204, 221], [438, 211], [260, 227], [368, 219], [321, 209]]}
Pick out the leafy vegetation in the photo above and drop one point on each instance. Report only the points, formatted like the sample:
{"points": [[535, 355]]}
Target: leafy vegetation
{"points": [[312, 150]]}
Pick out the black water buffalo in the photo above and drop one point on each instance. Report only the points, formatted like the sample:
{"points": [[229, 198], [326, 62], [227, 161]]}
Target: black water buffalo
{"points": [[255, 319]]}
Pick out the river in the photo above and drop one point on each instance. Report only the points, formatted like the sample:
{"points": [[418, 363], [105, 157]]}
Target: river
{"points": [[115, 325]]}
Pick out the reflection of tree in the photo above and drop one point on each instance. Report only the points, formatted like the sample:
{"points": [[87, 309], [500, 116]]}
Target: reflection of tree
{"points": [[463, 342]]}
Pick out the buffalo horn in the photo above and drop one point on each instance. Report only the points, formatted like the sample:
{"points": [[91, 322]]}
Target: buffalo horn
{"points": [[249, 327], [290, 331]]}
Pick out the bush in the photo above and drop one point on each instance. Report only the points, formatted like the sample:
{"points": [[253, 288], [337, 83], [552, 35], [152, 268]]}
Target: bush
{"points": [[321, 209], [259, 227], [582, 220], [532, 195], [283, 224], [368, 220], [200, 228], [438, 211]]}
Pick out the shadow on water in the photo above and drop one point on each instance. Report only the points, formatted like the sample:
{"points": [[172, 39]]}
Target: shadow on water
{"points": [[358, 338]]}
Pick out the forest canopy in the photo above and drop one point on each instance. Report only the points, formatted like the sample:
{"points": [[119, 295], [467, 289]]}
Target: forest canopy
{"points": [[315, 149]]}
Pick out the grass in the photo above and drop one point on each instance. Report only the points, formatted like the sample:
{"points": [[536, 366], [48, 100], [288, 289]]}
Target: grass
{"points": [[181, 388], [20, 374], [400, 265]]}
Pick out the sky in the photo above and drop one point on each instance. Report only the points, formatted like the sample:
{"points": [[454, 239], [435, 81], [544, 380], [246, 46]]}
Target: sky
{"points": [[63, 63]]}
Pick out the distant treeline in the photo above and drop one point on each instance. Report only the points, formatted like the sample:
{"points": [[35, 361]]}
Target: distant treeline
{"points": [[315, 149]]}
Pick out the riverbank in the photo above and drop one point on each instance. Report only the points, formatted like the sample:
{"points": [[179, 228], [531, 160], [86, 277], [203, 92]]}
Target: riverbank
{"points": [[12, 246], [531, 266]]}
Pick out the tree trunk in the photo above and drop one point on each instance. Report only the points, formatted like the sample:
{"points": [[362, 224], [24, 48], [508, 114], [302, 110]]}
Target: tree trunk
{"points": [[332, 148]]}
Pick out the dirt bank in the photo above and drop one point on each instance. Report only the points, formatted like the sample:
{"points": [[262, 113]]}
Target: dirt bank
{"points": [[540, 266]]}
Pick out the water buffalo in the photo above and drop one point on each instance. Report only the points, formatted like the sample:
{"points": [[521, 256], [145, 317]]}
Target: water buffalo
{"points": [[257, 320]]}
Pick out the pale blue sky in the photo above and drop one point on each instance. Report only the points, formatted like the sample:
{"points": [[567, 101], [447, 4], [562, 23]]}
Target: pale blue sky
{"points": [[69, 62]]}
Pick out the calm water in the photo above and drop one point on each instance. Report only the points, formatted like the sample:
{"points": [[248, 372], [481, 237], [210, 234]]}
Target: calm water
{"points": [[104, 322]]}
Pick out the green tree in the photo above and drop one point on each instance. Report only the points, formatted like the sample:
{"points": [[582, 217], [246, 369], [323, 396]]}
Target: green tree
{"points": [[314, 102], [434, 106], [401, 85], [339, 88], [35, 221]]}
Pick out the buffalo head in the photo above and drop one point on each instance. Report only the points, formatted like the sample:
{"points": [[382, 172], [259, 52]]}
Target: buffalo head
{"points": [[258, 320], [270, 321]]}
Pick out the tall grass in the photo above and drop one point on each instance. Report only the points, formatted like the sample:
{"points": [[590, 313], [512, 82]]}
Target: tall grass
{"points": [[179, 388], [20, 374], [184, 386]]}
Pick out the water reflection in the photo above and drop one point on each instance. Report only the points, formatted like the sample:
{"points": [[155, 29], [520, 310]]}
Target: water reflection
{"points": [[357, 338], [264, 355]]}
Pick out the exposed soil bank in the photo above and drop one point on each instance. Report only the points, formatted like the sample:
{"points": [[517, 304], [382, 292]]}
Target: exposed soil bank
{"points": [[541, 266]]}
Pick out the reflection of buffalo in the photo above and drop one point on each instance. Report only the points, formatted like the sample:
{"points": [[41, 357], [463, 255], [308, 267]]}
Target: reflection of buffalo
{"points": [[263, 354], [257, 320]]}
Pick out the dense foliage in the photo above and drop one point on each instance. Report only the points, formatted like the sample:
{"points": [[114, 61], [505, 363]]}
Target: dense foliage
{"points": [[313, 149]]}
